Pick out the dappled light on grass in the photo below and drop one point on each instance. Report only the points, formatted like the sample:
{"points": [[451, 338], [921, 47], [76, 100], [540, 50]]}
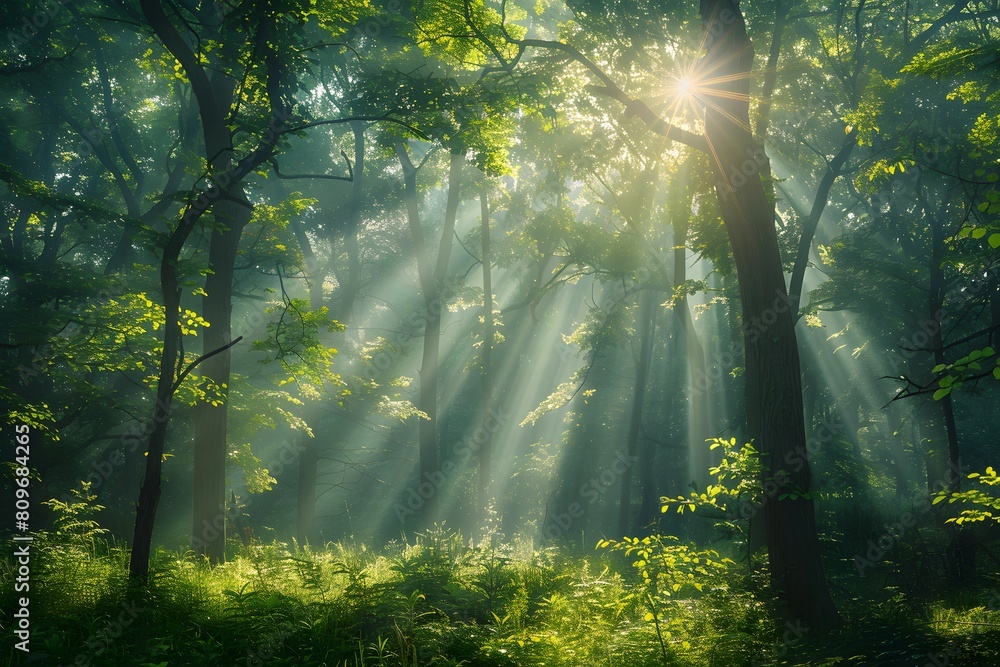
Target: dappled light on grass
{"points": [[437, 601]]}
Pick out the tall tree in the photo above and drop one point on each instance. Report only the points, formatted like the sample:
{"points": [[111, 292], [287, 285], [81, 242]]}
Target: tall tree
{"points": [[432, 274], [489, 335], [215, 93], [773, 386]]}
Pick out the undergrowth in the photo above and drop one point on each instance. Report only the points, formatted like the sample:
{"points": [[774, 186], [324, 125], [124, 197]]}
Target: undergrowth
{"points": [[439, 601]]}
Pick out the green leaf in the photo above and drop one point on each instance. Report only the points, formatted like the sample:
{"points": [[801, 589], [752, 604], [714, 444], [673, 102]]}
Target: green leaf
{"points": [[994, 240], [941, 393]]}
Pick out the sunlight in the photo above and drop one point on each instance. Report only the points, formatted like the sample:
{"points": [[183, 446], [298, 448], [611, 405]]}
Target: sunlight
{"points": [[684, 87], [502, 335]]}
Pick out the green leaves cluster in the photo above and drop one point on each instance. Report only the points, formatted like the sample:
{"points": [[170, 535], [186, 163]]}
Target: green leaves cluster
{"points": [[964, 369], [976, 504]]}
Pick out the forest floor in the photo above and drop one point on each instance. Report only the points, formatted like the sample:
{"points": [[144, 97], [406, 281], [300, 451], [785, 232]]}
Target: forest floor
{"points": [[440, 602]]}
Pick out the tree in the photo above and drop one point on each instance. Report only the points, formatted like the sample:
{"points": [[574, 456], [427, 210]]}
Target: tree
{"points": [[773, 382]]}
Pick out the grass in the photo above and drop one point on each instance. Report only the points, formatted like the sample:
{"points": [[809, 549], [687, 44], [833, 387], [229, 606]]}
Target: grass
{"points": [[440, 602]]}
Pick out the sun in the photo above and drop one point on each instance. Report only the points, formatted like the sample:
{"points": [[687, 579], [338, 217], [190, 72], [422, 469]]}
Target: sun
{"points": [[685, 87]]}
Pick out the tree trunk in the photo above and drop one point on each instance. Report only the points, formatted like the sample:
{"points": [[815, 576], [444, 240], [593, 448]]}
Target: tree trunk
{"points": [[431, 283], [485, 450], [963, 545], [773, 380], [811, 223], [645, 317], [699, 425], [307, 489], [211, 421], [149, 493], [936, 307], [648, 509], [231, 211]]}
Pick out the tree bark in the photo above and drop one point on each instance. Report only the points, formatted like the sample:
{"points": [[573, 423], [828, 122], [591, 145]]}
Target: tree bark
{"points": [[485, 450], [649, 477], [231, 211], [937, 289], [645, 318], [809, 225], [770, 81], [432, 278], [211, 421], [149, 493], [773, 379], [699, 424]]}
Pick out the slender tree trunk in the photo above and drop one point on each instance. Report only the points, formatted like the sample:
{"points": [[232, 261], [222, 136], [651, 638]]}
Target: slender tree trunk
{"points": [[212, 95], [149, 493], [353, 283], [699, 404], [307, 489], [648, 477], [485, 450], [901, 470], [773, 379], [211, 421], [432, 284], [305, 507], [735, 385], [645, 317], [770, 81], [231, 211], [811, 223], [936, 308], [963, 546]]}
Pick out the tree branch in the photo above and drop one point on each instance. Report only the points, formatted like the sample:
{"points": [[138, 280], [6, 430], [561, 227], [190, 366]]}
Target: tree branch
{"points": [[191, 366], [609, 88]]}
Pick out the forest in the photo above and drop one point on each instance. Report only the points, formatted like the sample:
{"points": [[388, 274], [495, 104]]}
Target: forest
{"points": [[500, 333]]}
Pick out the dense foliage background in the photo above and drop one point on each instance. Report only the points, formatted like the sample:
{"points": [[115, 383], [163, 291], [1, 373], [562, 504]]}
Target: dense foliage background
{"points": [[344, 332]]}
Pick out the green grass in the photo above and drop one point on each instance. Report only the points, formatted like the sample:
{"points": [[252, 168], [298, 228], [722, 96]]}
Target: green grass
{"points": [[440, 602]]}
